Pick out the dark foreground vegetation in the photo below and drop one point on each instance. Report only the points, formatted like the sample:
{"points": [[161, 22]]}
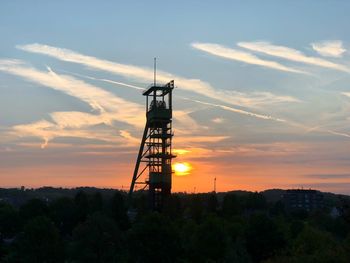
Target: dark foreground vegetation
{"points": [[91, 225]]}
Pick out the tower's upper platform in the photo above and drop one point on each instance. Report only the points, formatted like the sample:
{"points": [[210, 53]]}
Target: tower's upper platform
{"points": [[165, 89], [159, 108]]}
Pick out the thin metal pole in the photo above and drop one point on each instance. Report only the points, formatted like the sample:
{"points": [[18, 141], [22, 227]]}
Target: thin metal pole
{"points": [[155, 72], [215, 184]]}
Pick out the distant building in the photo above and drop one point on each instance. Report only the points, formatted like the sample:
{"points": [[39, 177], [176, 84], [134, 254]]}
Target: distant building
{"points": [[308, 200]]}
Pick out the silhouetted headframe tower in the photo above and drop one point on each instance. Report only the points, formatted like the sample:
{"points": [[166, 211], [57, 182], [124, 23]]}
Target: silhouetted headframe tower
{"points": [[155, 150]]}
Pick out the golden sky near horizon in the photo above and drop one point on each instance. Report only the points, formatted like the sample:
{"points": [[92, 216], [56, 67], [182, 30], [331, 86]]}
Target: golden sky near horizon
{"points": [[254, 106]]}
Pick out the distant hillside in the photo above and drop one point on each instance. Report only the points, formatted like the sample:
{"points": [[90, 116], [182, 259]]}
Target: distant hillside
{"points": [[17, 196]]}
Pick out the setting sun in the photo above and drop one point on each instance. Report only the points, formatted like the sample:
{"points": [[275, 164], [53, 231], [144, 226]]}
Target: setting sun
{"points": [[182, 168]]}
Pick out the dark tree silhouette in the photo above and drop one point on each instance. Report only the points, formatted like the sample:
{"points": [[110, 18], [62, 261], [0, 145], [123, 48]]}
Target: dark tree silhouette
{"points": [[33, 208], [96, 240], [118, 210], [62, 212], [210, 242], [9, 221], [154, 239], [255, 201], [231, 205], [96, 203], [263, 237], [39, 242], [62, 225], [81, 206]]}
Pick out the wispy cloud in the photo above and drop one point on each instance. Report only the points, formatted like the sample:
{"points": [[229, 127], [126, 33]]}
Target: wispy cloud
{"points": [[239, 111], [188, 140], [185, 124], [146, 74], [338, 133], [327, 176], [255, 98], [246, 150], [131, 139], [107, 106], [76, 119], [100, 100], [47, 131], [346, 94], [269, 117], [74, 124], [106, 102], [37, 129], [218, 120], [318, 128], [238, 55], [97, 98], [105, 80], [291, 54], [330, 48], [260, 98], [181, 141]]}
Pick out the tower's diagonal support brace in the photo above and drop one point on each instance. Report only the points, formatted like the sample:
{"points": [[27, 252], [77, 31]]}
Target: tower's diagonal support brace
{"points": [[144, 169], [138, 161]]}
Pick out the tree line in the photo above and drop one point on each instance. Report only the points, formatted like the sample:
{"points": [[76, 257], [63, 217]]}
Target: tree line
{"points": [[92, 227]]}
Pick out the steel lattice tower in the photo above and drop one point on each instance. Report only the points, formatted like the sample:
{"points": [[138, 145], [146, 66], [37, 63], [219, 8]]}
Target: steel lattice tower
{"points": [[155, 149]]}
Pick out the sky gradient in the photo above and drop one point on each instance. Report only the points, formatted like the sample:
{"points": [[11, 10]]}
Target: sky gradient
{"points": [[262, 96]]}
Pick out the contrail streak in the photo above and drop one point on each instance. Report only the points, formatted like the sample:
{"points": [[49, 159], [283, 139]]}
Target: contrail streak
{"points": [[319, 128], [104, 80], [339, 133], [268, 117], [228, 108]]}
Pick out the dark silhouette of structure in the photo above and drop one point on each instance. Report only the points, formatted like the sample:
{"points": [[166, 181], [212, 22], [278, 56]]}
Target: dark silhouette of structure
{"points": [[305, 199], [155, 149]]}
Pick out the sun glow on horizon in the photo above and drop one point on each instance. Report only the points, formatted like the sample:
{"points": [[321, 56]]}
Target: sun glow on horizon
{"points": [[182, 169], [181, 151]]}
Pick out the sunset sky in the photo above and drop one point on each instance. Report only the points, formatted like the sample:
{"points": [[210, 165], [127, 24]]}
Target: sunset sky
{"points": [[262, 96]]}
